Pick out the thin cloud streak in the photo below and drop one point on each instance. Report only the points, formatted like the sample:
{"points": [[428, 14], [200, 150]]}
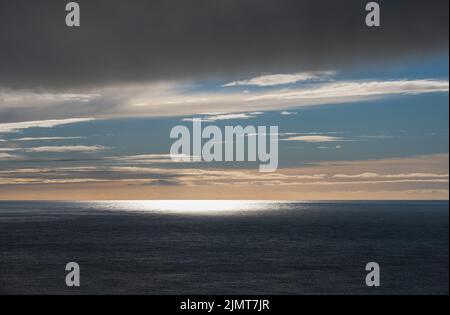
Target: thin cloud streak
{"points": [[46, 138], [8, 156], [63, 149], [224, 116], [287, 113], [14, 127], [178, 102], [21, 97], [280, 79], [314, 139], [356, 88], [376, 175]]}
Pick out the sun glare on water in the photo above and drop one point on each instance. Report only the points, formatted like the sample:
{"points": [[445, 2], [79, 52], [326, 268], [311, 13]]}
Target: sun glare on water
{"points": [[200, 207]]}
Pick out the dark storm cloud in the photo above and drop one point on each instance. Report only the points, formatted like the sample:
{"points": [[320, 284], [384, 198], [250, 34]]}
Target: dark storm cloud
{"points": [[134, 41]]}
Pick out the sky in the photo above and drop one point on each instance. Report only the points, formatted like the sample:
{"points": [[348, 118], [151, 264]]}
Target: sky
{"points": [[86, 113]]}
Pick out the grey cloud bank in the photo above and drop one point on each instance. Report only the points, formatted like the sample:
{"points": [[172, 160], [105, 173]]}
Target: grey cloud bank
{"points": [[140, 41]]}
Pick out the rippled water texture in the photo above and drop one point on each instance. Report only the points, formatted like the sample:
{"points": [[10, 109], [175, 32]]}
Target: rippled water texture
{"points": [[224, 247]]}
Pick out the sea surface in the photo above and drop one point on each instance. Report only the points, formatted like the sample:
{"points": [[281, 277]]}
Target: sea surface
{"points": [[224, 247]]}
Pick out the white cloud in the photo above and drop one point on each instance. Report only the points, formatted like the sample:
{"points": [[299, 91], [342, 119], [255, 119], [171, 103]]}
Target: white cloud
{"points": [[180, 102], [62, 149], [279, 79], [229, 116], [8, 156], [14, 127], [314, 139], [353, 89], [25, 171], [287, 113], [362, 175], [27, 181], [417, 175], [46, 138], [26, 98], [226, 116]]}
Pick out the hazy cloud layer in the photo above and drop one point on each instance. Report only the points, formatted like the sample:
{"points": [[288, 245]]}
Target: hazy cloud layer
{"points": [[140, 41], [422, 177], [172, 99]]}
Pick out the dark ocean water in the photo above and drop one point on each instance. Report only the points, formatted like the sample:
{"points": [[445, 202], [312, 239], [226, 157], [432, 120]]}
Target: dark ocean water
{"points": [[224, 247]]}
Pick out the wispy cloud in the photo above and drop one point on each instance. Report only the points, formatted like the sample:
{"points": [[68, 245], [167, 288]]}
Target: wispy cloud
{"points": [[62, 149], [8, 156], [329, 148], [376, 175], [40, 181], [314, 138], [25, 98], [354, 89], [280, 79], [225, 116], [156, 158], [287, 113], [46, 138], [312, 95], [14, 127]]}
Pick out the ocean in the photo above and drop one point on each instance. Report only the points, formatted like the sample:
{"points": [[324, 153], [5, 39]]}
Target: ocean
{"points": [[224, 247]]}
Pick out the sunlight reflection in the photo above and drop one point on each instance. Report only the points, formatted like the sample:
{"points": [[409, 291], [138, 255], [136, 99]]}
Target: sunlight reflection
{"points": [[200, 207]]}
